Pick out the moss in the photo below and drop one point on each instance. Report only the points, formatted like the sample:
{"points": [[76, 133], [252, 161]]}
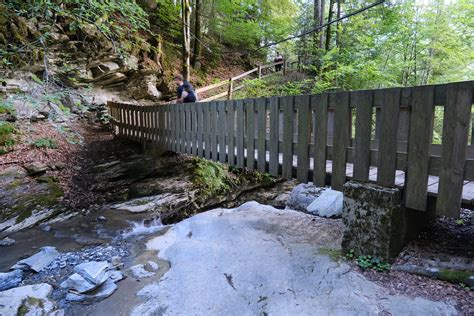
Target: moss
{"points": [[24, 209], [14, 184], [210, 177], [7, 131], [454, 276], [333, 254]]}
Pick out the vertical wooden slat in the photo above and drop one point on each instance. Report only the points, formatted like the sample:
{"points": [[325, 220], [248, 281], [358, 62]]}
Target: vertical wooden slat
{"points": [[250, 136], [261, 105], [286, 104], [213, 132], [230, 132], [200, 129], [180, 128], [239, 107], [362, 101], [222, 131], [320, 106], [194, 122], [303, 107], [419, 143], [388, 138], [457, 115], [207, 126], [274, 135], [341, 138], [175, 127]]}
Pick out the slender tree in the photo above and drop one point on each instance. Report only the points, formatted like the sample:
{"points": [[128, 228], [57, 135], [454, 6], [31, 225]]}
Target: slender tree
{"points": [[197, 35], [186, 49]]}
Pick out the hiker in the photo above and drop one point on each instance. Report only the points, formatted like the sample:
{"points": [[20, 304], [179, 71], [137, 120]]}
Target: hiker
{"points": [[278, 58], [185, 92]]}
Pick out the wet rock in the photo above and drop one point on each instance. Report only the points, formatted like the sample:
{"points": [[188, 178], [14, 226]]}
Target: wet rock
{"points": [[45, 228], [116, 262], [139, 271], [302, 196], [38, 261], [78, 284], [102, 292], [146, 204], [94, 272], [101, 219], [7, 242], [35, 168], [328, 204], [34, 299], [10, 279], [115, 276]]}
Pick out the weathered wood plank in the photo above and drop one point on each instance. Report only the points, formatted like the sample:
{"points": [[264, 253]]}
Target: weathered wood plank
{"points": [[239, 107], [388, 138], [362, 100], [274, 135], [261, 105], [213, 132], [250, 135], [320, 106], [457, 115], [187, 135], [230, 132], [302, 104], [200, 129], [194, 124], [222, 131], [207, 125], [419, 142], [341, 135], [286, 104]]}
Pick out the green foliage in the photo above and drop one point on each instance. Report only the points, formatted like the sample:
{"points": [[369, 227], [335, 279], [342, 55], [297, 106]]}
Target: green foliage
{"points": [[454, 276], [369, 262], [45, 143], [6, 107], [210, 177], [7, 135]]}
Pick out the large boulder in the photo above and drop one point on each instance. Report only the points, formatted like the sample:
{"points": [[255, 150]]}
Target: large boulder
{"points": [[302, 196], [28, 300], [144, 87], [328, 204]]}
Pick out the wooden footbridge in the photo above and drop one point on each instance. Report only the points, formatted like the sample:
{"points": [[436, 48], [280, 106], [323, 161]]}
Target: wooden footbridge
{"points": [[384, 136]]}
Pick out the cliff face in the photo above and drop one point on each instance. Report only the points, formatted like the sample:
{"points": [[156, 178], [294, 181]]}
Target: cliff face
{"points": [[61, 51]]}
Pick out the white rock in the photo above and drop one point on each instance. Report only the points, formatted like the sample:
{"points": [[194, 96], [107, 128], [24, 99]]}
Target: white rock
{"points": [[302, 196], [38, 261], [7, 242], [257, 260], [10, 279], [328, 204], [145, 204], [11, 300], [115, 276], [104, 291], [138, 271], [78, 284], [95, 272]]}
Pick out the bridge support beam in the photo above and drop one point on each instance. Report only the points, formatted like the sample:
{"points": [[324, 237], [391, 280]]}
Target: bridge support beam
{"points": [[376, 222]]}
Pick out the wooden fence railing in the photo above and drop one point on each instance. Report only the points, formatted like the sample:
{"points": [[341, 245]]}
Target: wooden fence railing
{"points": [[261, 72], [311, 137]]}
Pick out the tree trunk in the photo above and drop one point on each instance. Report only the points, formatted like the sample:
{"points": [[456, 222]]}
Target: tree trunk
{"points": [[328, 28], [318, 21], [338, 31], [186, 20], [197, 36]]}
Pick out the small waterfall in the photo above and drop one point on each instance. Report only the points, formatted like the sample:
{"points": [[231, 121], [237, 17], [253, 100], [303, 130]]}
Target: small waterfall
{"points": [[145, 227]]}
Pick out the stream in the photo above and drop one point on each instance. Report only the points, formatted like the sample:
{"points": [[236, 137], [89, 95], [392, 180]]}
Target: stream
{"points": [[99, 236]]}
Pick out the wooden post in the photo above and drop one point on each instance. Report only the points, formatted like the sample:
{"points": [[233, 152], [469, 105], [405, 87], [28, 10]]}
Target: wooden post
{"points": [[259, 71], [229, 92]]}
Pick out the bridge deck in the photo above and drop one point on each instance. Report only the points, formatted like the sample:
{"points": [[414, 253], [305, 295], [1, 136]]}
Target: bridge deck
{"points": [[433, 181]]}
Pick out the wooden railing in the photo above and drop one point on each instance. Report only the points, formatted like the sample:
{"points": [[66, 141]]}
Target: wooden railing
{"points": [[261, 72], [311, 137]]}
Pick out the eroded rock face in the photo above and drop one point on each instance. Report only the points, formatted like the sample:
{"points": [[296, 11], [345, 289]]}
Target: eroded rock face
{"points": [[10, 279], [257, 260], [38, 261]]}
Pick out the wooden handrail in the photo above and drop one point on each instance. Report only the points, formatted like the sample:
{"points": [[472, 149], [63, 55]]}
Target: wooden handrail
{"points": [[231, 81]]}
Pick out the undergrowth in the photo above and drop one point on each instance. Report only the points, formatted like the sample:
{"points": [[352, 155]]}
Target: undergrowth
{"points": [[45, 142]]}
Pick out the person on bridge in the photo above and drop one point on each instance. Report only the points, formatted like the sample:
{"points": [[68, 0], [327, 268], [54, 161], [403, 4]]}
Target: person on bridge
{"points": [[278, 58], [185, 91]]}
